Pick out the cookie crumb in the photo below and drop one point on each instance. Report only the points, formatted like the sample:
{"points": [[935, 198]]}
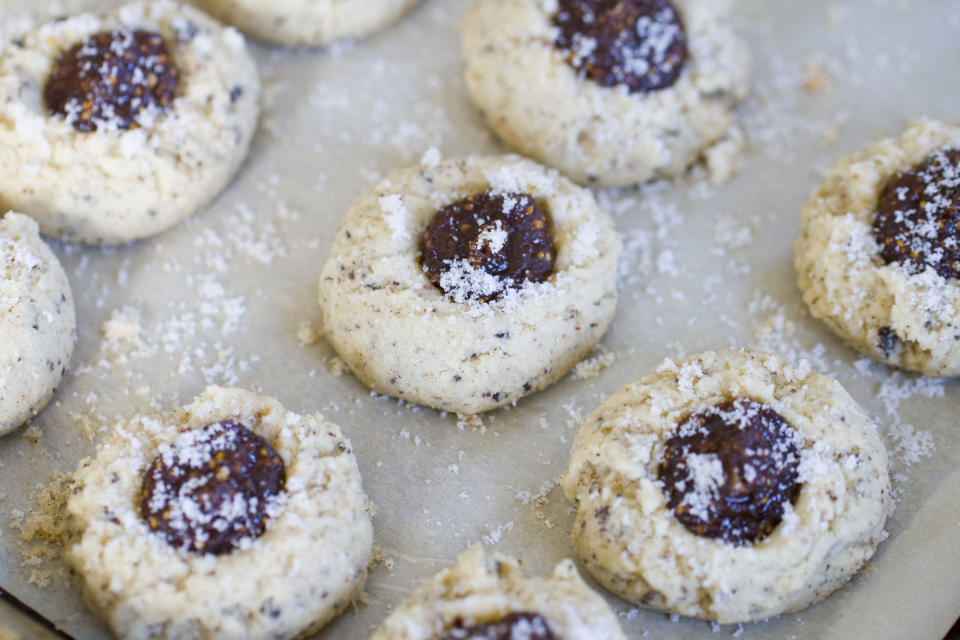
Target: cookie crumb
{"points": [[47, 520], [538, 498], [40, 578], [32, 434], [816, 78], [362, 599], [336, 366], [306, 333], [474, 421], [122, 329], [723, 159], [46, 526], [592, 367], [375, 558], [85, 424]]}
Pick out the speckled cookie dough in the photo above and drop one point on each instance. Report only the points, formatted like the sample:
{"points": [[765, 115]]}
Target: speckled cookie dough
{"points": [[307, 22], [486, 595], [731, 486], [469, 322], [641, 91], [37, 325], [115, 127], [229, 518], [879, 256]]}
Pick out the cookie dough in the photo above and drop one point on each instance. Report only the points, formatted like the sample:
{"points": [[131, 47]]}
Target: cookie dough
{"points": [[879, 256], [640, 91], [494, 326], [307, 22], [115, 127], [37, 323], [229, 518], [731, 486], [486, 593]]}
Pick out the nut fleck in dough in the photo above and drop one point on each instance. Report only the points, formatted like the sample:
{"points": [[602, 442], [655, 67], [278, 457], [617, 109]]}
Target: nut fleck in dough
{"points": [[107, 184], [307, 22], [483, 588], [304, 568], [595, 134], [466, 350], [37, 325], [899, 313], [630, 539]]}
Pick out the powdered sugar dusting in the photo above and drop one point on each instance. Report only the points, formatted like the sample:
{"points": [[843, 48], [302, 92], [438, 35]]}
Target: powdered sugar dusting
{"points": [[398, 217], [465, 283], [521, 178], [705, 473], [494, 237]]}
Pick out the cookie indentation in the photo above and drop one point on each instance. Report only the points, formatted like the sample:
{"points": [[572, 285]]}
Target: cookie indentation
{"points": [[212, 488], [728, 471], [113, 79], [638, 43], [516, 626], [479, 247], [918, 219]]}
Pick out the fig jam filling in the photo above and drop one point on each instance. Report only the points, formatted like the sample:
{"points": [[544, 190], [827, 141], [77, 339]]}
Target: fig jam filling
{"points": [[638, 43], [212, 488], [113, 79], [918, 218], [729, 470], [480, 247], [516, 626]]}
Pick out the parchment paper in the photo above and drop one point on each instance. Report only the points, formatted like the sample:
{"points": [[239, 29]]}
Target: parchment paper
{"points": [[222, 299]]}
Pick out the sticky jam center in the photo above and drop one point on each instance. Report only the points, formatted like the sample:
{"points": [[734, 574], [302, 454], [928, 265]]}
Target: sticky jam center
{"points": [[638, 43], [212, 488], [516, 626], [729, 470], [118, 79], [481, 246], [918, 218]]}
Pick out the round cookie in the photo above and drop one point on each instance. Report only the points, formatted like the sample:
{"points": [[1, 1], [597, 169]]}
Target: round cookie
{"points": [[468, 331], [229, 518], [731, 486], [485, 595], [37, 322], [115, 127], [878, 259], [611, 95], [307, 22]]}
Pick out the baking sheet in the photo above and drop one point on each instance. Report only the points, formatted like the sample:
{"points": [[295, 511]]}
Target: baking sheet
{"points": [[224, 297]]}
